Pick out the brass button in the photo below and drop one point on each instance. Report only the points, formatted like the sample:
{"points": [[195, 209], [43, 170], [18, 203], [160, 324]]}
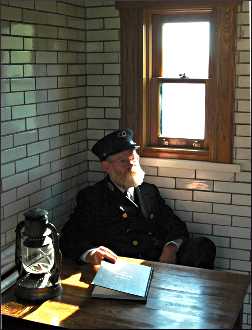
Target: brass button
{"points": [[151, 216], [125, 215], [135, 242]]}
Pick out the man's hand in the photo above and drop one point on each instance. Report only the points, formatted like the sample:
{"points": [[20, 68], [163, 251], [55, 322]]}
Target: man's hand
{"points": [[95, 256], [168, 254]]}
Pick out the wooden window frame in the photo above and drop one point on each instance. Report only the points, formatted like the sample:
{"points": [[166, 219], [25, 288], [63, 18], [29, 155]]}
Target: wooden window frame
{"points": [[137, 72]]}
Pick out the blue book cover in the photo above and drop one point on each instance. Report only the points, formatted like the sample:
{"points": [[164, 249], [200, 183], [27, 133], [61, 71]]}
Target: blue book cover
{"points": [[122, 280]]}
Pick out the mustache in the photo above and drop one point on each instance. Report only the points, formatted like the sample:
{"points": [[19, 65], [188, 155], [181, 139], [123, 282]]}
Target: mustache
{"points": [[133, 178], [136, 168]]}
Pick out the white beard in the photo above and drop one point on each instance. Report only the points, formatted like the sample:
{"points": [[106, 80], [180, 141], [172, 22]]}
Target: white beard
{"points": [[134, 178]]}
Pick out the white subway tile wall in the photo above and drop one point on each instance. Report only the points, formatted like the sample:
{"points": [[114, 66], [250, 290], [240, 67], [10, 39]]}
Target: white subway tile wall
{"points": [[43, 119], [61, 93]]}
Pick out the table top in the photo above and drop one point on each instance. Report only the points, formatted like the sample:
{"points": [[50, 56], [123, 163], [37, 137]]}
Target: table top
{"points": [[179, 297]]}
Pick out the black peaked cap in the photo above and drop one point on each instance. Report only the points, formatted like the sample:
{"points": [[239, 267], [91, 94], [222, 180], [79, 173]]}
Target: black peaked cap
{"points": [[113, 143]]}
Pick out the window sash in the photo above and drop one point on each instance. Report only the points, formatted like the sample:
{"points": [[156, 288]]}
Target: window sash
{"points": [[174, 110], [186, 48], [154, 117]]}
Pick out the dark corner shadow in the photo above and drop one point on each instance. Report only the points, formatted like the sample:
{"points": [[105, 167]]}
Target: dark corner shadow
{"points": [[13, 323]]}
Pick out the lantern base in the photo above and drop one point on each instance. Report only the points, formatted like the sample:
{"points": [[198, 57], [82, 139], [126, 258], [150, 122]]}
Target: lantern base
{"points": [[36, 288]]}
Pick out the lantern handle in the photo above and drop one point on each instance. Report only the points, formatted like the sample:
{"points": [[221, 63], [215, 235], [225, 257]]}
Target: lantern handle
{"points": [[58, 256]]}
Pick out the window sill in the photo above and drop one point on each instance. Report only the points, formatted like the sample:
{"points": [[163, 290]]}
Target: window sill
{"points": [[190, 164]]}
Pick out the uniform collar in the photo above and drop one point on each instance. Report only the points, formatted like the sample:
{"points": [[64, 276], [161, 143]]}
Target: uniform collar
{"points": [[129, 190], [113, 186]]}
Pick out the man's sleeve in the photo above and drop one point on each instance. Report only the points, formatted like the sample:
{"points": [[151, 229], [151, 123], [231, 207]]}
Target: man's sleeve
{"points": [[176, 242], [83, 256], [76, 235]]}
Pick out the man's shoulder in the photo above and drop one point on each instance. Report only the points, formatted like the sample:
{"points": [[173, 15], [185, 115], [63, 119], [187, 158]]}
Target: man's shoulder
{"points": [[92, 190], [148, 187]]}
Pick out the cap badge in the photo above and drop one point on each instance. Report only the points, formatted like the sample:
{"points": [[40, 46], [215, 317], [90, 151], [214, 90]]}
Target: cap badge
{"points": [[122, 134]]}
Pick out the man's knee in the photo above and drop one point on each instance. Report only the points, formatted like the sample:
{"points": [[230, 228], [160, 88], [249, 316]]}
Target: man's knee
{"points": [[197, 252]]}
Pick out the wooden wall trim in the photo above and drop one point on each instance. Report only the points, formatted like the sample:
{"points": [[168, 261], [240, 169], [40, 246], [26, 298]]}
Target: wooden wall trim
{"points": [[131, 38]]}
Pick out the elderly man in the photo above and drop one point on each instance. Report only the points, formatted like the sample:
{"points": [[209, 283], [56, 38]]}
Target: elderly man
{"points": [[122, 215]]}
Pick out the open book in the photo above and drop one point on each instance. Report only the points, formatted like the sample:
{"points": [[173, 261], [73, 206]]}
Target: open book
{"points": [[122, 280]]}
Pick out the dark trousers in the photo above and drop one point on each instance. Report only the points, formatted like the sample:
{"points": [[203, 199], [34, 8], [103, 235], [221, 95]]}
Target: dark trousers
{"points": [[197, 252]]}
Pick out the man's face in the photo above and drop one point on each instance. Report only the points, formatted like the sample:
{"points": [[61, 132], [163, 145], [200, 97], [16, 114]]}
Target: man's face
{"points": [[124, 169]]}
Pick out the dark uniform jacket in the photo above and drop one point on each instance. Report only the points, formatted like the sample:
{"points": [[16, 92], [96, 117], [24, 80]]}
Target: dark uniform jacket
{"points": [[106, 216]]}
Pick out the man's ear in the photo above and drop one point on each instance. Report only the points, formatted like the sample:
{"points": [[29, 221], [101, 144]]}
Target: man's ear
{"points": [[105, 165]]}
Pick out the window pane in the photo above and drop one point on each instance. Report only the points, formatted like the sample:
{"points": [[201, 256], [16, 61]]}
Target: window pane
{"points": [[182, 110], [185, 49]]}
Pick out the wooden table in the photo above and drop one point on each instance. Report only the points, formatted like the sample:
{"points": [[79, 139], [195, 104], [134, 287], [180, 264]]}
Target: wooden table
{"points": [[179, 297]]}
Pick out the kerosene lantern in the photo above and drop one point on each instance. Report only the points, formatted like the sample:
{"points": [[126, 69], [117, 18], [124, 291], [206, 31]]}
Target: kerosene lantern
{"points": [[38, 257]]}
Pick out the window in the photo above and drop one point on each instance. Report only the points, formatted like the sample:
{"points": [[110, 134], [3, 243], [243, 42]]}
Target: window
{"points": [[180, 67], [177, 77]]}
